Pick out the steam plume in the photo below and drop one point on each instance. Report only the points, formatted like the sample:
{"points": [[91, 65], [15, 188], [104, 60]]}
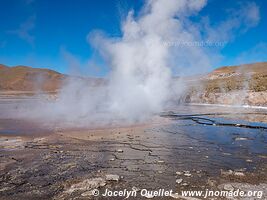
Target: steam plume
{"points": [[142, 61]]}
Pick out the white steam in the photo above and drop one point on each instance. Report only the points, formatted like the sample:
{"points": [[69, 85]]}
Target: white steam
{"points": [[140, 82], [142, 62]]}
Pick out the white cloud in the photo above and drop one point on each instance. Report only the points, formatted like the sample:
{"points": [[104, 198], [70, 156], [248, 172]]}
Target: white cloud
{"points": [[237, 21], [24, 30]]}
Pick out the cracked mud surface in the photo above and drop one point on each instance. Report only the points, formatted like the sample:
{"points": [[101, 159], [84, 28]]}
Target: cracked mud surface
{"points": [[67, 164]]}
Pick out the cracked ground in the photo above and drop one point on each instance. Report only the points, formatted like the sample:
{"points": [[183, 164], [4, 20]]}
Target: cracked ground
{"points": [[203, 151]]}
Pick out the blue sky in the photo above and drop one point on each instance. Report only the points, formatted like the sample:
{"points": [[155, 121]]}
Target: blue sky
{"points": [[52, 34]]}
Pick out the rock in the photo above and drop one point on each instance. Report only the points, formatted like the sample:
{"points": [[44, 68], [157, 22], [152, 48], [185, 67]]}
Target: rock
{"points": [[241, 138], [248, 160], [12, 143], [112, 177], [187, 174], [175, 195], [87, 184], [88, 193], [226, 173], [135, 189], [228, 187], [180, 180], [230, 172], [239, 174], [119, 150], [211, 183], [178, 173]]}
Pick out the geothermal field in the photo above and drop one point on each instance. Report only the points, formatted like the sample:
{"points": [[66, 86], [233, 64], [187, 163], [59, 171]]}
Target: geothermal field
{"points": [[189, 147], [143, 110]]}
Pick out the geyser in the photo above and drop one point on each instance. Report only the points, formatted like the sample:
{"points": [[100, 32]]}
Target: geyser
{"points": [[140, 81]]}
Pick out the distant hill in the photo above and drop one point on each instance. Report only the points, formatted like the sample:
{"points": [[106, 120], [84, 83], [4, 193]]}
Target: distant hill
{"points": [[252, 67], [248, 76], [244, 84], [23, 78], [246, 69]]}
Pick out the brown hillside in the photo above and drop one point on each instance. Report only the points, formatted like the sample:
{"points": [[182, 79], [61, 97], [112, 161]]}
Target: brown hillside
{"points": [[249, 76], [22, 78], [254, 68], [245, 84]]}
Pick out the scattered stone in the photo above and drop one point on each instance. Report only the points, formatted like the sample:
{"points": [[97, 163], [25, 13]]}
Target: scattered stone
{"points": [[211, 183], [12, 143], [227, 154], [120, 151], [178, 173], [228, 187], [175, 195], [241, 138], [112, 177], [230, 172], [248, 160], [39, 140], [6, 188], [111, 159], [187, 174], [135, 189], [87, 184], [239, 174], [184, 184], [180, 180], [88, 193], [160, 161], [226, 173], [160, 172], [262, 156]]}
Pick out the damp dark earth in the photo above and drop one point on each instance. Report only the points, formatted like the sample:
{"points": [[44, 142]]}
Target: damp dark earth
{"points": [[189, 147]]}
